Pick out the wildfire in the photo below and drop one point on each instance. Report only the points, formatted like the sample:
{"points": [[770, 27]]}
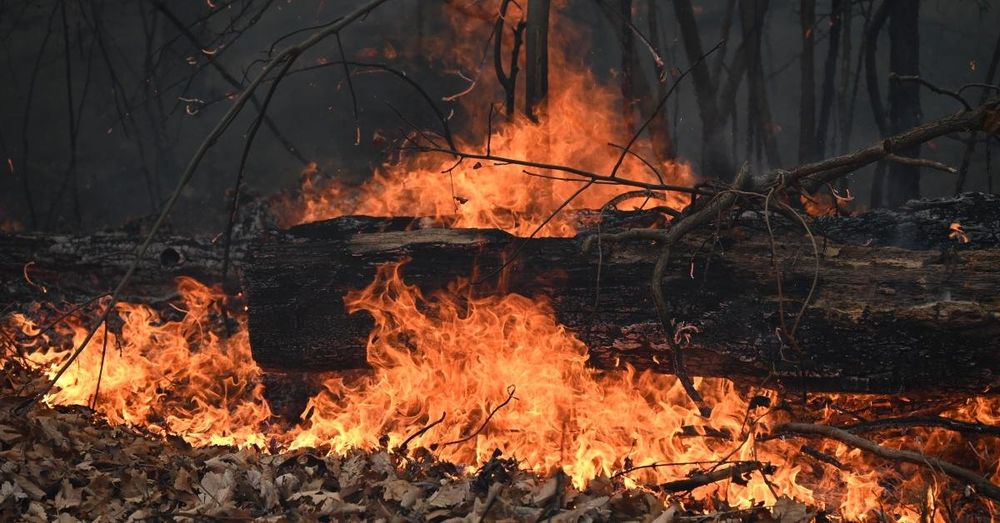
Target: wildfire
{"points": [[582, 127], [168, 376], [497, 370], [487, 372]]}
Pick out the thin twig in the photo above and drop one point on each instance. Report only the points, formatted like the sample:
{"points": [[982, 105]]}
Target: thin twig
{"points": [[510, 396], [931, 86], [700, 479], [922, 421], [289, 54], [406, 442], [921, 162]]}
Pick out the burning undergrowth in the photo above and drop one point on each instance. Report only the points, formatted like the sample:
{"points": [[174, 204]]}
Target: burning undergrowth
{"points": [[462, 384]]}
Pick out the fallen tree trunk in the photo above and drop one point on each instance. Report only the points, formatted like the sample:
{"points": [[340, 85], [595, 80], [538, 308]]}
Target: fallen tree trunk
{"points": [[40, 266], [902, 303]]}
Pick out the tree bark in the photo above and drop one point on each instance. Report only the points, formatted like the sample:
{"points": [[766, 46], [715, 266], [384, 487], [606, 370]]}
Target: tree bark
{"points": [[807, 84], [903, 181], [715, 161], [829, 75], [51, 267], [536, 70], [900, 305]]}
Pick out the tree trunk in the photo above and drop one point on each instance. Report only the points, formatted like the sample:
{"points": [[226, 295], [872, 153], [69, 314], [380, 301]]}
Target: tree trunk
{"points": [[875, 24], [51, 267], [536, 70], [640, 94], [900, 305], [760, 123], [903, 181], [807, 84], [715, 161], [829, 76]]}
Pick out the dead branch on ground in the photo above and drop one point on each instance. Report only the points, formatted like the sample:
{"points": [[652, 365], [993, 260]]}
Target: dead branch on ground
{"points": [[982, 485]]}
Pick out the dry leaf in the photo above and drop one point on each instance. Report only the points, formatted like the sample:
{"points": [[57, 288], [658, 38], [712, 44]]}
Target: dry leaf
{"points": [[402, 492], [787, 510], [450, 495]]}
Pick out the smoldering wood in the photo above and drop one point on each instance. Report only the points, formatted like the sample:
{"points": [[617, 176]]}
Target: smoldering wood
{"points": [[902, 305]]}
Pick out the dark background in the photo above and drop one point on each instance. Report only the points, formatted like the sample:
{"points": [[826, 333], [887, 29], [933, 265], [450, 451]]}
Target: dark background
{"points": [[128, 66]]}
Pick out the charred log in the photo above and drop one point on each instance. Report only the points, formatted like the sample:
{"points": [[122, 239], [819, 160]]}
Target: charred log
{"points": [[41, 266], [902, 303]]}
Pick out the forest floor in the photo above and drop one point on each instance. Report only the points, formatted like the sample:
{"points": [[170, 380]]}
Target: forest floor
{"points": [[66, 464]]}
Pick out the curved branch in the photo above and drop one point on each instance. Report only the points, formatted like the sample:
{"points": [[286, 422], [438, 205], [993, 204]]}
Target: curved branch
{"points": [[291, 54]]}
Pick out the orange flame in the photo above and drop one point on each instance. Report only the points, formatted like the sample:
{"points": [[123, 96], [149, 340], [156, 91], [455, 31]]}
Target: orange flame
{"points": [[457, 354], [176, 377], [582, 127]]}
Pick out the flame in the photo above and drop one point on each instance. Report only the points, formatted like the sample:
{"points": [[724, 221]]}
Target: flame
{"points": [[581, 126], [956, 232], [504, 374], [499, 368], [169, 376], [460, 355]]}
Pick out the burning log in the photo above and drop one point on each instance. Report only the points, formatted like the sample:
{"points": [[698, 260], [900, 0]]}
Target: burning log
{"points": [[35, 264], [904, 300]]}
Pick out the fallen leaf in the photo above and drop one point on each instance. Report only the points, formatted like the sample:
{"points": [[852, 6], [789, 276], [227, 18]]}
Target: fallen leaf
{"points": [[450, 495]]}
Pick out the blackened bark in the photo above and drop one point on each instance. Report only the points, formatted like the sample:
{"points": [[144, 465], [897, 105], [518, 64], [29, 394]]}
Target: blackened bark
{"points": [[536, 70], [807, 85], [903, 182], [890, 313], [829, 75]]}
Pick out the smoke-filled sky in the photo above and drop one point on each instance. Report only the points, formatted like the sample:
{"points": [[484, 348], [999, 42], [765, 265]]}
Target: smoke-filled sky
{"points": [[137, 94]]}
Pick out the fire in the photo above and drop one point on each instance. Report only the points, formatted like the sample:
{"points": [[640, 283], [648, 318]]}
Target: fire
{"points": [[460, 355], [499, 372], [170, 376], [957, 233], [582, 126]]}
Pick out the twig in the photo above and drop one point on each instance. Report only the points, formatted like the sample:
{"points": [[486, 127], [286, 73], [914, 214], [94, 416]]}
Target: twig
{"points": [[657, 465], [923, 421], [982, 485], [661, 73], [715, 206], [659, 106], [813, 175], [587, 175], [350, 88], [100, 371], [406, 442], [700, 479], [289, 54], [931, 86], [921, 162], [510, 396], [234, 205]]}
